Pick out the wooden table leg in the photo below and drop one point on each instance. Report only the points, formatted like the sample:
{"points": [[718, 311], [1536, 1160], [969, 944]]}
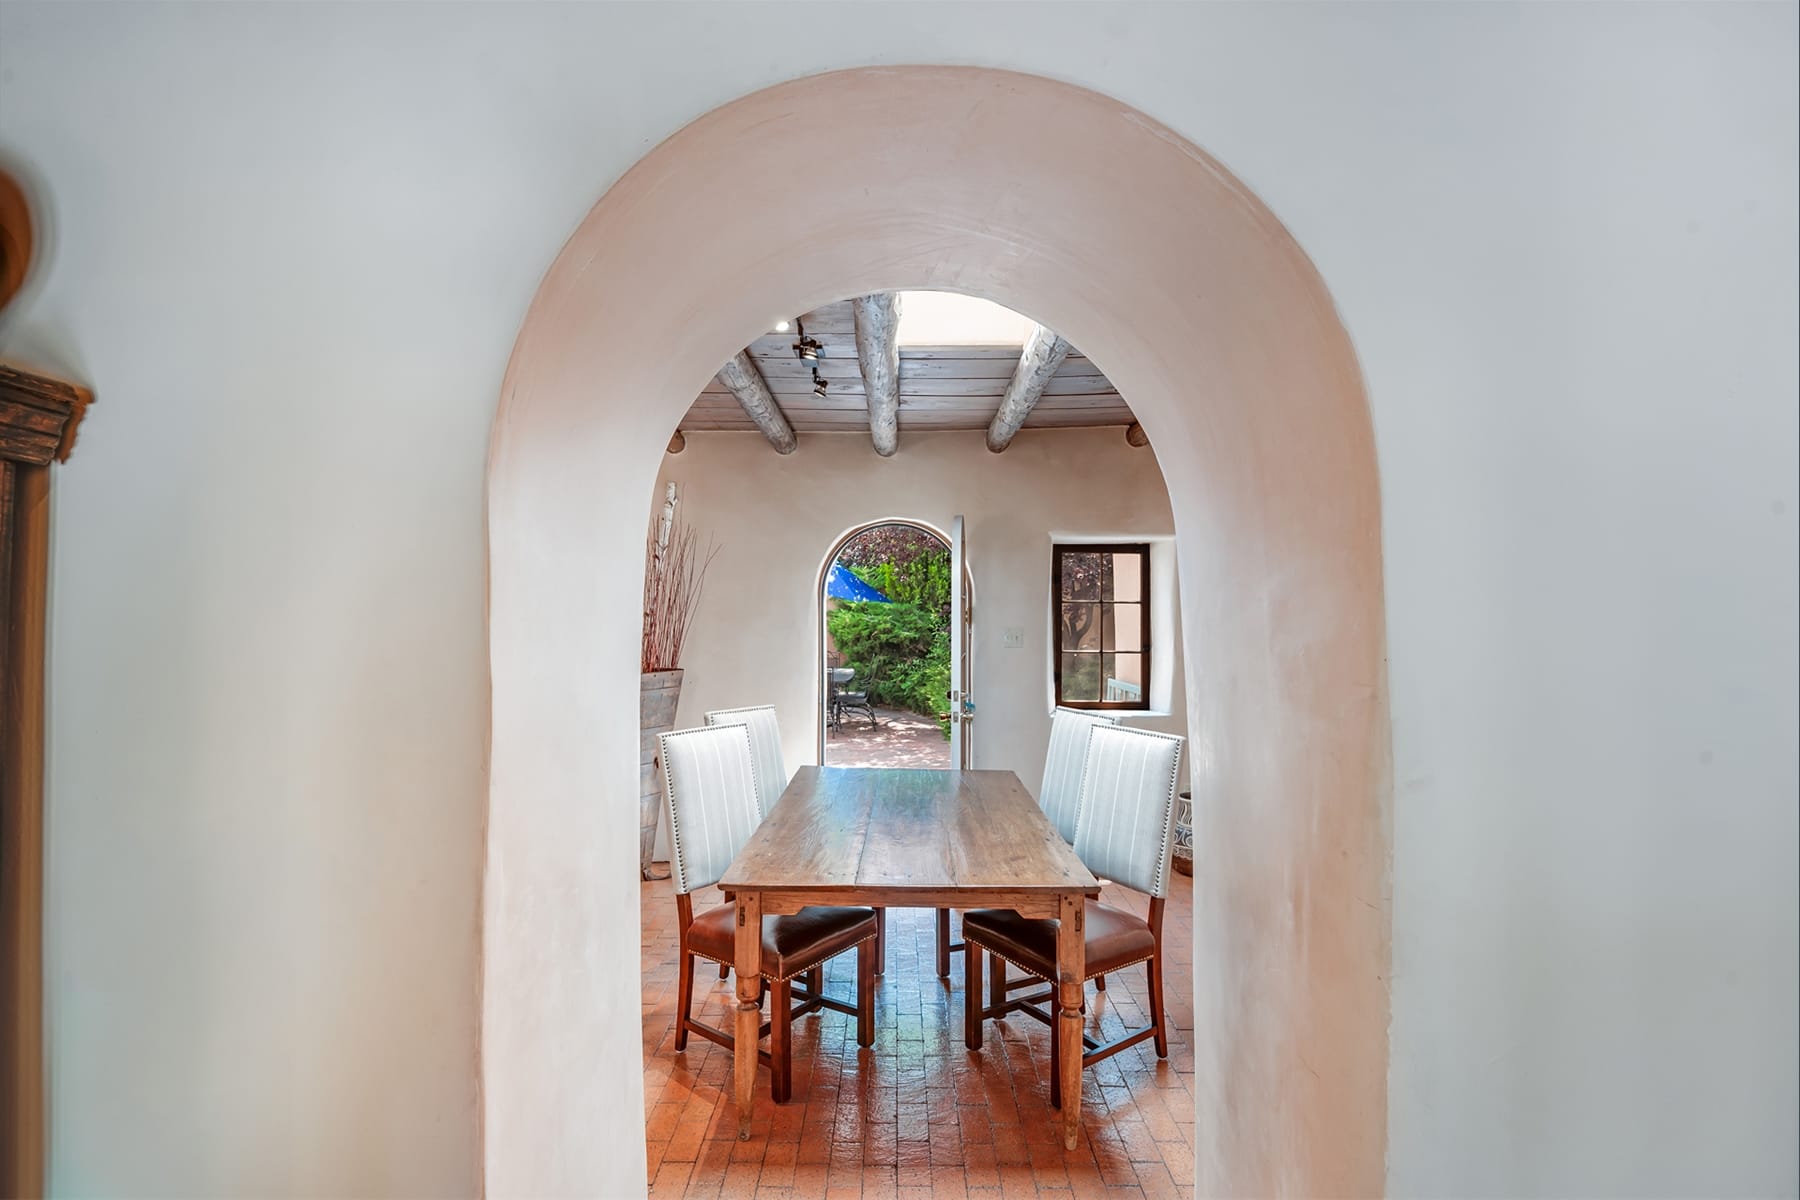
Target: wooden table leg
{"points": [[747, 1035], [1071, 965]]}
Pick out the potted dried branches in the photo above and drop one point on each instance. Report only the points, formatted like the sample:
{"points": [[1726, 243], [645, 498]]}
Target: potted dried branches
{"points": [[674, 570]]}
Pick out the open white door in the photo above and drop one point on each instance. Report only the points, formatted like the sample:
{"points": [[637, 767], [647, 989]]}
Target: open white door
{"points": [[962, 705]]}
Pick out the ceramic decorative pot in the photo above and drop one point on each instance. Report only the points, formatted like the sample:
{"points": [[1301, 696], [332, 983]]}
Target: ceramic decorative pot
{"points": [[656, 714], [1184, 833]]}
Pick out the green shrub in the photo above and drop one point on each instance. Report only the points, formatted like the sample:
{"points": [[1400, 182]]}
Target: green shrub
{"points": [[900, 652]]}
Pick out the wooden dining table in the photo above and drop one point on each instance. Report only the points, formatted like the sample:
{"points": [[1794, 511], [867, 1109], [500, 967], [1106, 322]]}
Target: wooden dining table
{"points": [[909, 839]]}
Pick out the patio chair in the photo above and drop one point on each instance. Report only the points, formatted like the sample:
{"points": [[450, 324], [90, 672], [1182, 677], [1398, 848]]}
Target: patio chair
{"points": [[714, 807], [1125, 832], [844, 700]]}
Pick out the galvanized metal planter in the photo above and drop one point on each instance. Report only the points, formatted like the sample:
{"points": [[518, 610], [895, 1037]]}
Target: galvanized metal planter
{"points": [[660, 693]]}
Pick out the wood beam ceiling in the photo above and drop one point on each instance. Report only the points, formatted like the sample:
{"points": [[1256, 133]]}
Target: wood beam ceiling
{"points": [[744, 381], [1042, 357], [941, 387], [878, 354]]}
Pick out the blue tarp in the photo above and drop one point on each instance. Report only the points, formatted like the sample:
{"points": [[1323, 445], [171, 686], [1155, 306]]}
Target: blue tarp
{"points": [[842, 584]]}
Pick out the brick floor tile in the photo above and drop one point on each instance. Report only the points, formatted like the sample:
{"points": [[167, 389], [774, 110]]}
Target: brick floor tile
{"points": [[809, 1182], [1047, 1166], [1018, 1182], [919, 1115], [670, 1180], [980, 1167], [946, 1147], [844, 1182], [947, 1183], [1009, 1146], [741, 1180], [778, 1164], [1139, 1145], [879, 1183], [913, 1174]]}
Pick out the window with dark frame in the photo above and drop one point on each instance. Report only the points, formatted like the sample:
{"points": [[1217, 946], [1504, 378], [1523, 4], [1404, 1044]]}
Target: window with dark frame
{"points": [[1101, 598]]}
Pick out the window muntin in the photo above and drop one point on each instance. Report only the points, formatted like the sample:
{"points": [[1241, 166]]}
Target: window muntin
{"points": [[1100, 597]]}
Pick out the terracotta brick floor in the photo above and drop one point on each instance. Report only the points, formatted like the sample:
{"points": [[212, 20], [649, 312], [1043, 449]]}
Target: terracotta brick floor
{"points": [[918, 1115]]}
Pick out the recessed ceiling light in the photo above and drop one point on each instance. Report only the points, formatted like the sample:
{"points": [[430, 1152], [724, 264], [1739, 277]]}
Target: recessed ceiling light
{"points": [[783, 326]]}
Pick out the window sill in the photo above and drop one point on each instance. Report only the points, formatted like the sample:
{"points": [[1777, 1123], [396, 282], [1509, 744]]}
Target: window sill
{"points": [[1124, 714]]}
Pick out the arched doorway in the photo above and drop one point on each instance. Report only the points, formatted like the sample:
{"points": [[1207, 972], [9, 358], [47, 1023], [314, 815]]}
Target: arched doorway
{"points": [[895, 561], [1129, 240]]}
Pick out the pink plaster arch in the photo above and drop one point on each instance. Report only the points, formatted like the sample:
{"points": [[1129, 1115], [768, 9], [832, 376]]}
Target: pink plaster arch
{"points": [[1164, 269]]}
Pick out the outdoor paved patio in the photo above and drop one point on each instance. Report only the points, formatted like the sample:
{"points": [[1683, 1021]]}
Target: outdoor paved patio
{"points": [[902, 739]]}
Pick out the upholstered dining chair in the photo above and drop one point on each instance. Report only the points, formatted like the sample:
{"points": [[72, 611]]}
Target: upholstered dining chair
{"points": [[765, 753], [1060, 798], [1125, 833], [714, 807], [765, 746], [1060, 794], [772, 780]]}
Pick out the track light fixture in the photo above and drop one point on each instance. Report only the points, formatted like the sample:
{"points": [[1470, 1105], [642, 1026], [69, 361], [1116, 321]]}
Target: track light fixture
{"points": [[820, 384], [807, 348]]}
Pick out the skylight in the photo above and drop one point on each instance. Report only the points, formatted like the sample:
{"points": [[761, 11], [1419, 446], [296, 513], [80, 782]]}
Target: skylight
{"points": [[949, 319]]}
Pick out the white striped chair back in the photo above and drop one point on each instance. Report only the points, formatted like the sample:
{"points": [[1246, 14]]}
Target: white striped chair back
{"points": [[1060, 794], [1127, 827], [765, 747], [713, 802]]}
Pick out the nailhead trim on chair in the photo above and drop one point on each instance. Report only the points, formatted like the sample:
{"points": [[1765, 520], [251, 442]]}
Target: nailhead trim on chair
{"points": [[663, 740], [1161, 880]]}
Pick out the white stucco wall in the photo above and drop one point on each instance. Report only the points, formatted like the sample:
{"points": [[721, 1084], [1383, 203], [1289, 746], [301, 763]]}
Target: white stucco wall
{"points": [[775, 517], [290, 247]]}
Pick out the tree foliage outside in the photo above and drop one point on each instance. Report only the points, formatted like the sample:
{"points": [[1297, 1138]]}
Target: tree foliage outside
{"points": [[924, 581], [1084, 577], [897, 544]]}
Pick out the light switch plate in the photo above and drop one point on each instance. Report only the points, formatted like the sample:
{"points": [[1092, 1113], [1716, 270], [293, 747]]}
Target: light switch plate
{"points": [[1012, 638]]}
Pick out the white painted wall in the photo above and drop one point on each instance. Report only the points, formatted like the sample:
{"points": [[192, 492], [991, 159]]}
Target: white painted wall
{"points": [[775, 517], [291, 247]]}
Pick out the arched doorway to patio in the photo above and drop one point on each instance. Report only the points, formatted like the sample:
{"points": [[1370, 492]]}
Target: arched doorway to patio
{"points": [[884, 647], [1170, 274]]}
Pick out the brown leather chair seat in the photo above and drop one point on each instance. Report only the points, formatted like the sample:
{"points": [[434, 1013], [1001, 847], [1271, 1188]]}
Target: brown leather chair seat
{"points": [[1115, 939], [790, 944]]}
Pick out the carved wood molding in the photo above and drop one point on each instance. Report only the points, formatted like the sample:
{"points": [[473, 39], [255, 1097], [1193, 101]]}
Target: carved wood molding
{"points": [[38, 416]]}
